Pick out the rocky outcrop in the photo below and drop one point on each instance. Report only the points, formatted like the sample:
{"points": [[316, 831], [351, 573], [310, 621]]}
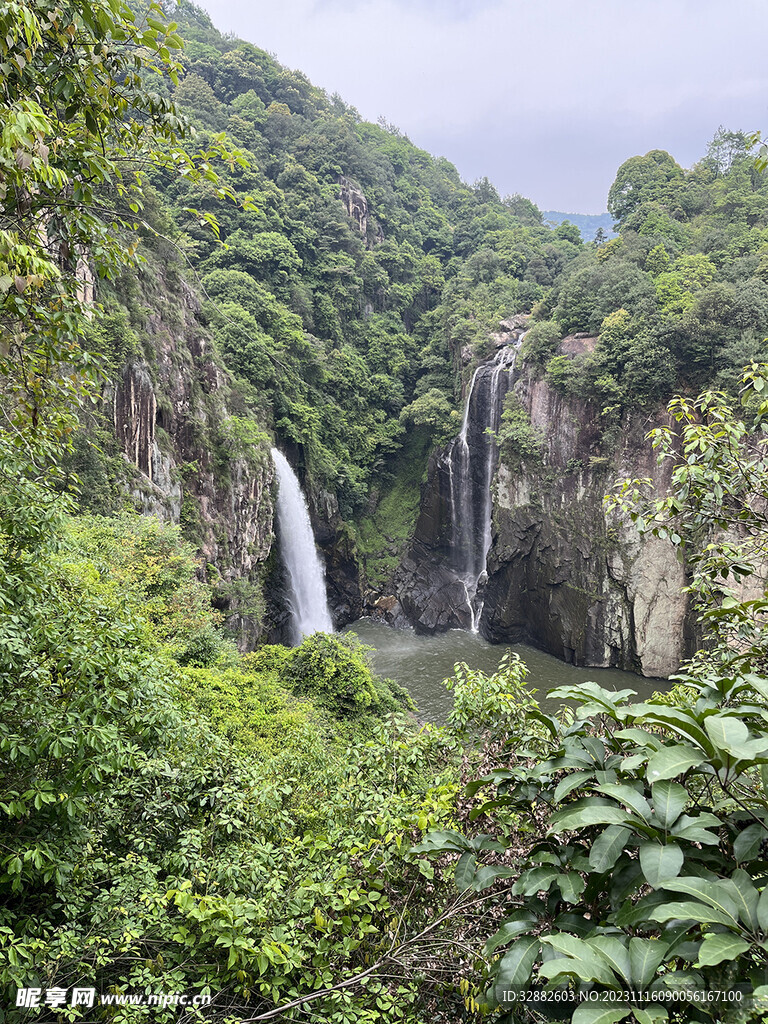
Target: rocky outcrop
{"points": [[355, 202], [563, 572], [168, 416], [342, 567]]}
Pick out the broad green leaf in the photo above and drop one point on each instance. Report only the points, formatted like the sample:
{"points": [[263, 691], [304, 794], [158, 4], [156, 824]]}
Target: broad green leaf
{"points": [[762, 910], [695, 829], [571, 886], [660, 863], [569, 783], [585, 813], [629, 764], [577, 959], [465, 871], [649, 1014], [689, 911], [485, 842], [747, 844], [677, 720], [600, 1013], [641, 736], [712, 893], [486, 875], [645, 955], [437, 842], [746, 897], [669, 799], [517, 924], [671, 761], [514, 970], [716, 948], [727, 732], [535, 880], [629, 796], [608, 847], [615, 953]]}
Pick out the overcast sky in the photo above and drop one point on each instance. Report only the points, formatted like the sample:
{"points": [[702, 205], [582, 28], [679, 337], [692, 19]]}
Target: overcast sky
{"points": [[545, 97]]}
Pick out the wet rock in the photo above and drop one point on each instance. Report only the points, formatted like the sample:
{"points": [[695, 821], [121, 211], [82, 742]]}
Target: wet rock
{"points": [[432, 597], [574, 579]]}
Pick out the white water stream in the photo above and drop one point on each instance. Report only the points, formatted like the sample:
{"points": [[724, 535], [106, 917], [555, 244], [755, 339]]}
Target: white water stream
{"points": [[307, 598], [471, 463]]}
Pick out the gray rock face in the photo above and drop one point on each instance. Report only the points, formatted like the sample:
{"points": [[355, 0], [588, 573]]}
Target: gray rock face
{"points": [[355, 202], [430, 595], [342, 570], [163, 416], [563, 573]]}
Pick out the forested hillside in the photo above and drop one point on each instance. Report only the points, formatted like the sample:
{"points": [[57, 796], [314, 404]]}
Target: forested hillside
{"points": [[350, 301], [272, 834]]}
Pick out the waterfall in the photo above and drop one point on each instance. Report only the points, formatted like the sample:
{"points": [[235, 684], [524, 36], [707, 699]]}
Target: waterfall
{"points": [[307, 598], [471, 462]]}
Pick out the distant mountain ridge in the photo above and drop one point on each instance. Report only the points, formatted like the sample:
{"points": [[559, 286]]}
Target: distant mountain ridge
{"points": [[587, 223]]}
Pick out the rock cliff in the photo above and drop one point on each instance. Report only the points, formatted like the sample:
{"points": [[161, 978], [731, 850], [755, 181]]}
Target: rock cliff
{"points": [[563, 573], [192, 455], [566, 573]]}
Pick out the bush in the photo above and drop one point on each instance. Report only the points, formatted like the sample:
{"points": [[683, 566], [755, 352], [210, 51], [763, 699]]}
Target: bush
{"points": [[334, 670]]}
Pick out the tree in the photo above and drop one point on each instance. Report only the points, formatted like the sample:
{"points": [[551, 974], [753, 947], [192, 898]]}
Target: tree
{"points": [[642, 179], [80, 127]]}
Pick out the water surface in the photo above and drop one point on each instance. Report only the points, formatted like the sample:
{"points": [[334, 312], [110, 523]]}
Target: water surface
{"points": [[420, 663]]}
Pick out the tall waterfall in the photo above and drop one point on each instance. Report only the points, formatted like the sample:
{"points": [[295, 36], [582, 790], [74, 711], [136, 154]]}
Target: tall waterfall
{"points": [[307, 598], [471, 460]]}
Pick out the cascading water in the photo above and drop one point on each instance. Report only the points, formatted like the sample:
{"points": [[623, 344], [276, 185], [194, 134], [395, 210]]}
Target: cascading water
{"points": [[471, 460], [307, 598]]}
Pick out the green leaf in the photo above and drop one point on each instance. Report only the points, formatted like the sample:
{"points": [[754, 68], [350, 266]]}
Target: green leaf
{"points": [[629, 796], [515, 967], [695, 829], [727, 733], [689, 911], [577, 959], [439, 842], [585, 813], [517, 924], [714, 894], [677, 720], [746, 897], [535, 880], [669, 799], [716, 948], [660, 863], [649, 1014], [569, 783], [615, 953], [671, 761], [600, 1013], [746, 845], [608, 847], [465, 871], [571, 886], [645, 955]]}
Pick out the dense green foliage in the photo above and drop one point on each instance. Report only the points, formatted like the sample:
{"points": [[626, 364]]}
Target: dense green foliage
{"points": [[637, 831], [342, 327], [679, 298], [149, 840], [199, 829], [175, 816]]}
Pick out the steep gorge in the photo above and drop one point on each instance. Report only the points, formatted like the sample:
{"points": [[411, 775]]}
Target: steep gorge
{"points": [[344, 320], [563, 572]]}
